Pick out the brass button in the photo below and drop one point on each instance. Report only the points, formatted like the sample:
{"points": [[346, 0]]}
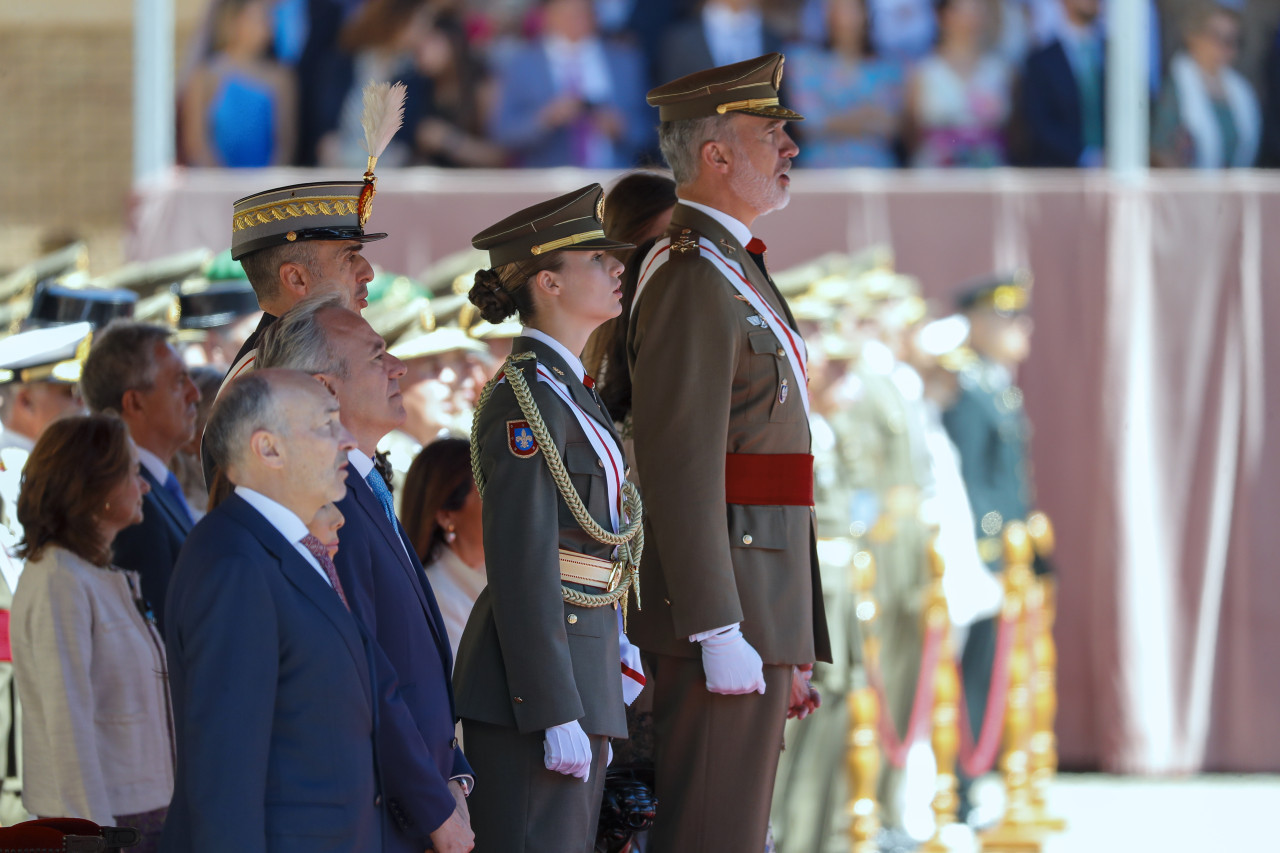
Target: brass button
{"points": [[572, 618], [517, 700], [746, 539], [600, 462], [668, 601], [377, 801], [782, 353], [453, 744]]}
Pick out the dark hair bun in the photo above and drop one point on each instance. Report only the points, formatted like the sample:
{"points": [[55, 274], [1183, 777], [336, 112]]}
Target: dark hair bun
{"points": [[491, 298]]}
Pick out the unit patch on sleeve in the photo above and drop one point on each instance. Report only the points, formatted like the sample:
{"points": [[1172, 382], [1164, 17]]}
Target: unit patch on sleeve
{"points": [[520, 439]]}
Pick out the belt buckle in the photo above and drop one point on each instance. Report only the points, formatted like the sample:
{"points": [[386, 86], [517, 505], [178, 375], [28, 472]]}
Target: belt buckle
{"points": [[615, 578]]}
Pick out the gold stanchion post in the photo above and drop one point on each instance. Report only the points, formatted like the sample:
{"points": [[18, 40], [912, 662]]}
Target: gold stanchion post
{"points": [[1017, 832], [946, 710], [1044, 690], [863, 753]]}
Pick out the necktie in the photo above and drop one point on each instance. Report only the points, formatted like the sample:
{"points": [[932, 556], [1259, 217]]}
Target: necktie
{"points": [[756, 249], [317, 549], [1089, 79], [383, 494], [171, 486], [588, 381]]}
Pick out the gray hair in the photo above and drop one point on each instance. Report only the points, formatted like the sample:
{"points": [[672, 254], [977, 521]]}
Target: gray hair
{"points": [[262, 267], [299, 341], [681, 143], [245, 406], [121, 359]]}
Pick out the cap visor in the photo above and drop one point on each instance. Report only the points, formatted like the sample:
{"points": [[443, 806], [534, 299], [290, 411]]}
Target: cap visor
{"points": [[775, 112], [597, 243]]}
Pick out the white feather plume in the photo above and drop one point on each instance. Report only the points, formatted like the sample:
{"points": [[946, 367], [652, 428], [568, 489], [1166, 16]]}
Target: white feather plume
{"points": [[382, 116]]}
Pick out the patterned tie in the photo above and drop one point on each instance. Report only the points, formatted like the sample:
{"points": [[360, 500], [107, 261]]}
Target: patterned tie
{"points": [[321, 553], [383, 494], [171, 486]]}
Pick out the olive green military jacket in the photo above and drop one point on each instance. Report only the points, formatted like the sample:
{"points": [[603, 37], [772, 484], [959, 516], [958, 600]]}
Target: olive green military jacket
{"points": [[708, 379], [527, 659]]}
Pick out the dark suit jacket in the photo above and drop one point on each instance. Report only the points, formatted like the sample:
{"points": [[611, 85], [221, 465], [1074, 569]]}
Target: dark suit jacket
{"points": [[272, 699], [151, 547], [1050, 109], [685, 49], [525, 87], [389, 591], [527, 659]]}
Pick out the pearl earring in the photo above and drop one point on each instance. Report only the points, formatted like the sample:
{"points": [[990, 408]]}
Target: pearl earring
{"points": [[107, 507], [450, 534]]}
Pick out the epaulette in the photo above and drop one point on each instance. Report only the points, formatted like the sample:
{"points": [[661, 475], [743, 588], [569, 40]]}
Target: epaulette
{"points": [[684, 243]]}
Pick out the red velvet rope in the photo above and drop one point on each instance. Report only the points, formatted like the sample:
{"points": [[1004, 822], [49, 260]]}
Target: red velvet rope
{"points": [[921, 708], [975, 761]]}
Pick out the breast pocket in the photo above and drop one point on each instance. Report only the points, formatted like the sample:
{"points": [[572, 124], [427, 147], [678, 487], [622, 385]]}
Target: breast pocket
{"points": [[772, 385], [586, 472]]}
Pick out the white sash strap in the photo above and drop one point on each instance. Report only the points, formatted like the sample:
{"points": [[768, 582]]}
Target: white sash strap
{"points": [[792, 344], [601, 441], [658, 255], [244, 365]]}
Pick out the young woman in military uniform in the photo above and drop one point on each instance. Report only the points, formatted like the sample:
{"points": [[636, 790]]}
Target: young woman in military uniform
{"points": [[544, 667]]}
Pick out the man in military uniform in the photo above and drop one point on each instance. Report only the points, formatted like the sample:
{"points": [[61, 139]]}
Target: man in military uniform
{"points": [[733, 599], [990, 430]]}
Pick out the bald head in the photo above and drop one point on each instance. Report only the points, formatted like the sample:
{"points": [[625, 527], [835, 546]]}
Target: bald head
{"points": [[278, 432]]}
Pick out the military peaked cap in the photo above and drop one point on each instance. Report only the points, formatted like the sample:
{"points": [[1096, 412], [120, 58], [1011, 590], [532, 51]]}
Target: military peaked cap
{"points": [[574, 221], [320, 211], [750, 87], [1005, 294]]}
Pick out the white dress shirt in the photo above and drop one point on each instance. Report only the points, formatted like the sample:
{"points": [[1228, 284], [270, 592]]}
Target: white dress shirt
{"points": [[285, 521]]}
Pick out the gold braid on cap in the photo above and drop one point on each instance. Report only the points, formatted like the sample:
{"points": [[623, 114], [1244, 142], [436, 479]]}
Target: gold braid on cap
{"points": [[749, 104], [630, 542]]}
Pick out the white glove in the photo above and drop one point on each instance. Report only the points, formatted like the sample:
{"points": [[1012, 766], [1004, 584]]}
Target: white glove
{"points": [[732, 667], [632, 669], [566, 749]]}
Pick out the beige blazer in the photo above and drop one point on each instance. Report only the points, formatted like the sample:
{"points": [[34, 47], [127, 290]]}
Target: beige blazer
{"points": [[706, 381], [96, 727]]}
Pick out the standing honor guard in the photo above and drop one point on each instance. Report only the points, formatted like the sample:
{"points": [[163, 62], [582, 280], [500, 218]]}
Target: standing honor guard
{"points": [[720, 413], [544, 666], [991, 433]]}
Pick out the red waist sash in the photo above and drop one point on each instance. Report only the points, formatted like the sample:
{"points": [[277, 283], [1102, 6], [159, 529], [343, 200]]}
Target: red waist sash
{"points": [[769, 479]]}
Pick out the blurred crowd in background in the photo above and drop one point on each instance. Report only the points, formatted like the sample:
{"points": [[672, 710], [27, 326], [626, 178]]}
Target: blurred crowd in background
{"points": [[883, 83]]}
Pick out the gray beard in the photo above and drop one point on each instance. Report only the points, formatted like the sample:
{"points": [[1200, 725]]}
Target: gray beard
{"points": [[762, 192]]}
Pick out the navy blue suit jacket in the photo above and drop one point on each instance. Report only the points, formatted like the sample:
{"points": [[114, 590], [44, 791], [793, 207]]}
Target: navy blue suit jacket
{"points": [[389, 591], [151, 547], [525, 87], [1051, 110], [273, 703]]}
